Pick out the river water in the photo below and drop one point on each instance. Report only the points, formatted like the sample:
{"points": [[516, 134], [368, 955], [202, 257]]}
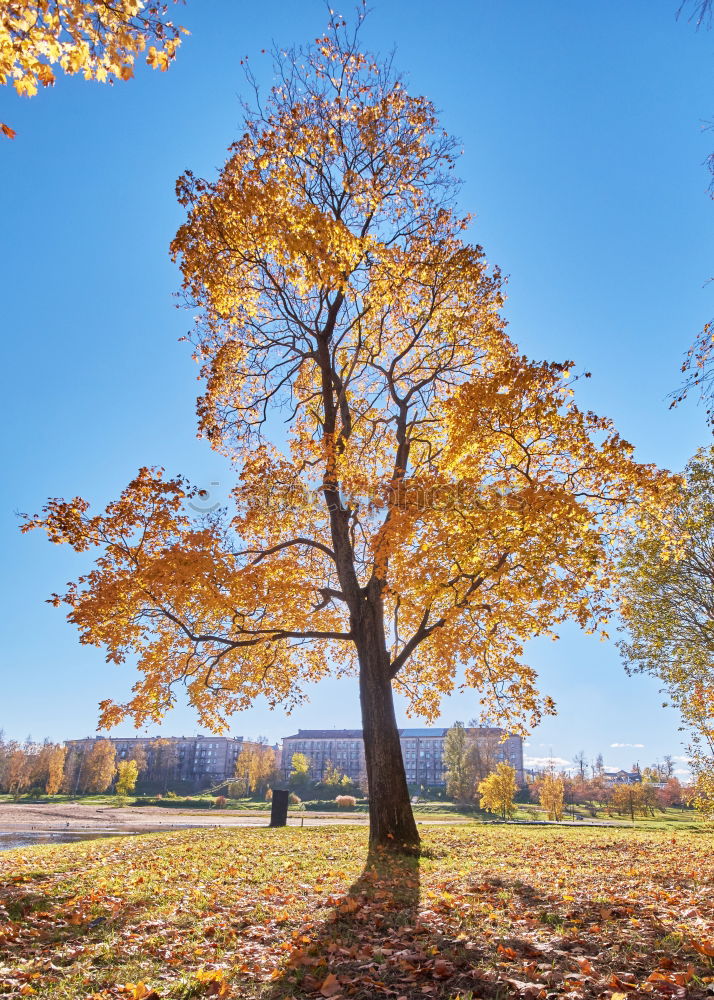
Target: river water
{"points": [[28, 838]]}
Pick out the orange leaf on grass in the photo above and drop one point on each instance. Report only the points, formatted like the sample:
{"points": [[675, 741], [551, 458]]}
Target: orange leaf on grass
{"points": [[330, 986], [704, 948]]}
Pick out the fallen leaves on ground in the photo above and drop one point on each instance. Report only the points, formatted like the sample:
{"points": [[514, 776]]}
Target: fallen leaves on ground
{"points": [[268, 914]]}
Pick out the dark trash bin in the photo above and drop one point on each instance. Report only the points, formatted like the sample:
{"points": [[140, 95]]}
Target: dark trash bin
{"points": [[279, 807]]}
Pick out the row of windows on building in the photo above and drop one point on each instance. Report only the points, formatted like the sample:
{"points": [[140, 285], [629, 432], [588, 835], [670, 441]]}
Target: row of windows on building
{"points": [[422, 751]]}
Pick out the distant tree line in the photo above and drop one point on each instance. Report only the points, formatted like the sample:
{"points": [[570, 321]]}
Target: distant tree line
{"points": [[557, 791], [30, 765], [90, 769], [475, 776], [48, 768]]}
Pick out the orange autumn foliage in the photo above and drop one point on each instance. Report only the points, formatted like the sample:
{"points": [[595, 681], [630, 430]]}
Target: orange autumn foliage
{"points": [[439, 499], [99, 40]]}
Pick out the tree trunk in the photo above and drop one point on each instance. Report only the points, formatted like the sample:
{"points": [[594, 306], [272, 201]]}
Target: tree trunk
{"points": [[391, 820]]}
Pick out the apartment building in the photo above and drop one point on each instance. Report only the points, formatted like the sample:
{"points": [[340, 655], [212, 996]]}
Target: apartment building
{"points": [[422, 751], [199, 761], [341, 747]]}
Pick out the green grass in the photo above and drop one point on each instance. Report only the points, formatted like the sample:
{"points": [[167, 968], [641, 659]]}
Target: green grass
{"points": [[304, 913]]}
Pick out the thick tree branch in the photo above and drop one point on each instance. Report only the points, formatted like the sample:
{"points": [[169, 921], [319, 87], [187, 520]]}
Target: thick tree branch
{"points": [[424, 630], [284, 545]]}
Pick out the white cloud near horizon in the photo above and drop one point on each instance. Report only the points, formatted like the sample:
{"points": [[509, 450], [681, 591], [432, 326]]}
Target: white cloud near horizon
{"points": [[636, 746], [546, 762]]}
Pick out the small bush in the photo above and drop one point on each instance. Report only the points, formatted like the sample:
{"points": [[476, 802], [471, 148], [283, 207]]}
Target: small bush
{"points": [[293, 799], [221, 802], [330, 806], [345, 801], [269, 795]]}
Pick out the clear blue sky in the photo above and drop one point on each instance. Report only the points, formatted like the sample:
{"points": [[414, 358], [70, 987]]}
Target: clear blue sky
{"points": [[582, 126]]}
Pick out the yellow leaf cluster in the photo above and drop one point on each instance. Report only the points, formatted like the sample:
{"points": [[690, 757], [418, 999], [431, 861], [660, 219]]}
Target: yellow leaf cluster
{"points": [[498, 791], [127, 775], [552, 796], [255, 769], [100, 40]]}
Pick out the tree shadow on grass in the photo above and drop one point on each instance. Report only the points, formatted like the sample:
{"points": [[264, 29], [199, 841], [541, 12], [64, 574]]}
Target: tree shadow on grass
{"points": [[356, 944], [496, 938], [381, 940]]}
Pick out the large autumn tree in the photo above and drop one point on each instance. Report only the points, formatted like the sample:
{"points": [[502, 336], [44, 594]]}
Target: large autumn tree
{"points": [[431, 499]]}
